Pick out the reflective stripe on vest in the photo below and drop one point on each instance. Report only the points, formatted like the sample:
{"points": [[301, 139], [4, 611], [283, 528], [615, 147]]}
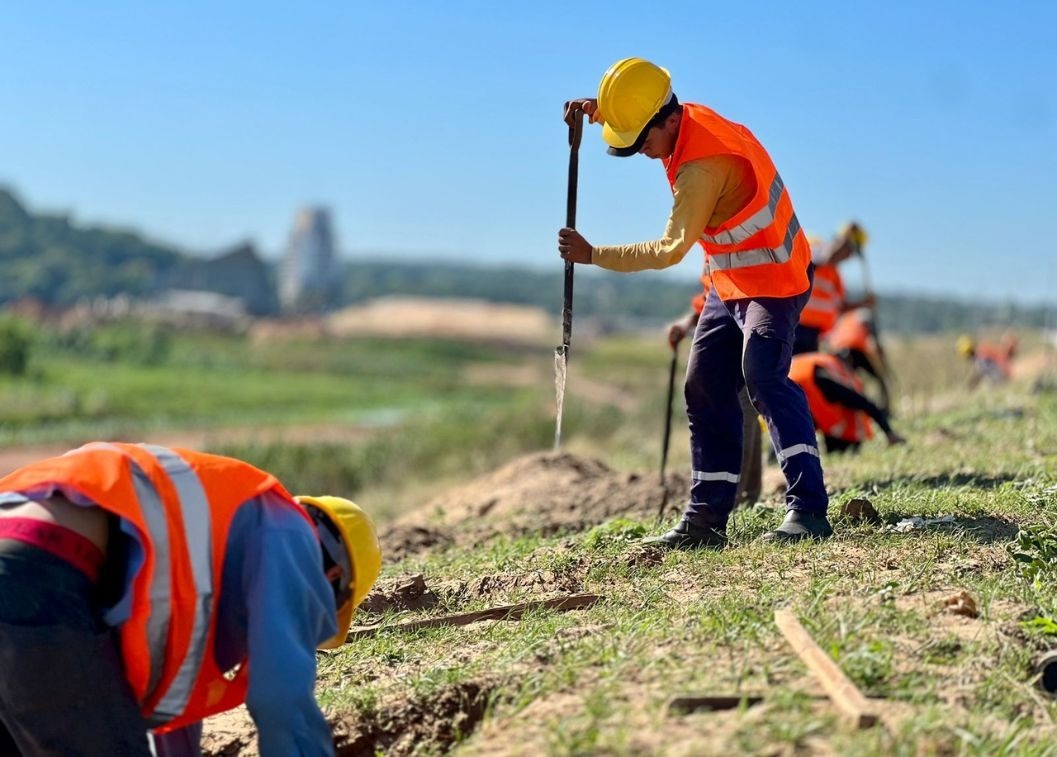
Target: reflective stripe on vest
{"points": [[194, 507], [755, 223], [160, 595], [725, 261]]}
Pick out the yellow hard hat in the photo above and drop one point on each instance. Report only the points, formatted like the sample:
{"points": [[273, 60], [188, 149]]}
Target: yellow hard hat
{"points": [[966, 345], [855, 233], [631, 93], [359, 557]]}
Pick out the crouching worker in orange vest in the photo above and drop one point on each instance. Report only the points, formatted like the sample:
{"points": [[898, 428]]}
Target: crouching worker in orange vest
{"points": [[729, 197], [993, 362], [839, 409], [145, 588]]}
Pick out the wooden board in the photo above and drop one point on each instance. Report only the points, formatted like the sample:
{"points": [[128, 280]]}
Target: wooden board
{"points": [[843, 693], [505, 612]]}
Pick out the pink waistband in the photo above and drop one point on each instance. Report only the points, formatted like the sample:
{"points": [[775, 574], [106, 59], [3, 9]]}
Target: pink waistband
{"points": [[58, 540]]}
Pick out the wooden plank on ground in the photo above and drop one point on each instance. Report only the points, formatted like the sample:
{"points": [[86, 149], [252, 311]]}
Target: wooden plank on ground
{"points": [[848, 699], [505, 612]]}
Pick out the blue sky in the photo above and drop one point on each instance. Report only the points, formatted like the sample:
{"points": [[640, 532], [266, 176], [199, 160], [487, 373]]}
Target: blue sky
{"points": [[433, 130]]}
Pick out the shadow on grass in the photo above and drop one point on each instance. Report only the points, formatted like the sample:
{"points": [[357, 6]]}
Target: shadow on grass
{"points": [[943, 481], [984, 529]]}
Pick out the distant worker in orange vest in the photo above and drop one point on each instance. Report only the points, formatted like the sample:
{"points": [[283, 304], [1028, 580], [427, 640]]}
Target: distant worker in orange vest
{"points": [[729, 197], [854, 336], [840, 410], [750, 487], [146, 588], [829, 297], [993, 362]]}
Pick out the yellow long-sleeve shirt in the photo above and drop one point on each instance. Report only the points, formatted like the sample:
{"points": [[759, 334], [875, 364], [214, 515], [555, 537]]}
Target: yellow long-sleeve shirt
{"points": [[707, 192]]}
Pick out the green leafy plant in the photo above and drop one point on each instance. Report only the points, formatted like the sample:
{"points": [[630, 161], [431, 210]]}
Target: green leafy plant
{"points": [[1035, 554]]}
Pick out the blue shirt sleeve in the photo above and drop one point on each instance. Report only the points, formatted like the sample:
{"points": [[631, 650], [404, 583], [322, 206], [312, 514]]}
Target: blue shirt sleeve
{"points": [[289, 612]]}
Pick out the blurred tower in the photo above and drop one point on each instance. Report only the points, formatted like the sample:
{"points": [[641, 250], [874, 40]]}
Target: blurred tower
{"points": [[308, 279]]}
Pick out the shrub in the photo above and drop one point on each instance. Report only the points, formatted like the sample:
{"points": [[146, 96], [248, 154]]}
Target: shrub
{"points": [[15, 341]]}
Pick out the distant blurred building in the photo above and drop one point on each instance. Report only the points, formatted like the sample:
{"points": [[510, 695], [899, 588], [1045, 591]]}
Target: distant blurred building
{"points": [[308, 276], [237, 272]]}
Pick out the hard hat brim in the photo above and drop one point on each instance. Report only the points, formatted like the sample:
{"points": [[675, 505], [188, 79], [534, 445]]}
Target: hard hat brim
{"points": [[623, 152], [620, 139]]}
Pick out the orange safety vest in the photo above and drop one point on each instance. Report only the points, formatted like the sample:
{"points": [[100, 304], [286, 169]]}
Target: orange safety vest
{"points": [[830, 418], [827, 299], [181, 504], [999, 356], [850, 332], [760, 251]]}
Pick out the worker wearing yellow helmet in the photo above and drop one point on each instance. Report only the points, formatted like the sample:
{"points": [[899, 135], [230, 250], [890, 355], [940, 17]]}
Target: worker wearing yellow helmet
{"points": [[729, 197], [991, 362], [829, 298], [159, 586]]}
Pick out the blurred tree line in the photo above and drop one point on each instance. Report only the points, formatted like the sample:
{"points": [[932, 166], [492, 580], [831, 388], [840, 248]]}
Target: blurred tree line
{"points": [[49, 259], [648, 297], [46, 257]]}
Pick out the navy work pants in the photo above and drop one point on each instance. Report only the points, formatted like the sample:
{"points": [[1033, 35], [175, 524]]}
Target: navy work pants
{"points": [[747, 343], [62, 683]]}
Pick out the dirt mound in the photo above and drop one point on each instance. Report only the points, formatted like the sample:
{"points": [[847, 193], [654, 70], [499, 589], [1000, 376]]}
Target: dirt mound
{"points": [[473, 320], [428, 724], [541, 493]]}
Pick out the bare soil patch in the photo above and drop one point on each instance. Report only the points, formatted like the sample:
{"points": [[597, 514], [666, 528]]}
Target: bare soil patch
{"points": [[435, 721], [432, 722]]}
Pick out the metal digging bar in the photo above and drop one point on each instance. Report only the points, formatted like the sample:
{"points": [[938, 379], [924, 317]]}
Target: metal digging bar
{"points": [[667, 430], [561, 352]]}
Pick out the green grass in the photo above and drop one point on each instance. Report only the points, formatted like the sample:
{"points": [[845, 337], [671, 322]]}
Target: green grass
{"points": [[596, 680], [204, 380]]}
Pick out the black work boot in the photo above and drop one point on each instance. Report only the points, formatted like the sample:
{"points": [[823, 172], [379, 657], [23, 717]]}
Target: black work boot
{"points": [[692, 533], [798, 526]]}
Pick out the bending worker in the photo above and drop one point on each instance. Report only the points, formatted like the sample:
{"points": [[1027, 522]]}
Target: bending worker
{"points": [[148, 588], [840, 410], [829, 298], [729, 197], [750, 485], [855, 338], [993, 362]]}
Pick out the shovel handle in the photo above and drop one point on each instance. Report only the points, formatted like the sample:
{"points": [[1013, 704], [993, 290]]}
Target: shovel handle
{"points": [[575, 133]]}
